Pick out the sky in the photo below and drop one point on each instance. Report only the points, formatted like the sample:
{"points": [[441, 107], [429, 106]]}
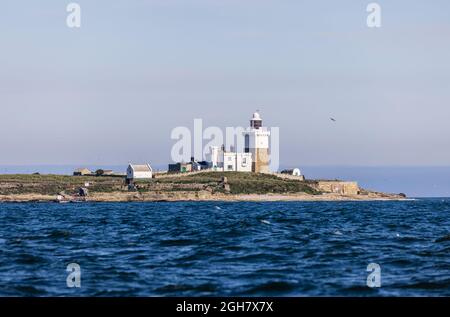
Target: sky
{"points": [[111, 91]]}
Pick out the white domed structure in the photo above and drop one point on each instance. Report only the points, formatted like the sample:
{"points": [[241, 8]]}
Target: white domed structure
{"points": [[256, 121], [256, 116]]}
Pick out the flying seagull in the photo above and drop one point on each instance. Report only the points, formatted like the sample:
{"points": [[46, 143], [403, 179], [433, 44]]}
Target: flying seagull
{"points": [[333, 119]]}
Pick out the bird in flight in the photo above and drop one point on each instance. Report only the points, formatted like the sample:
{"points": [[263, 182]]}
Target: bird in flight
{"points": [[333, 119]]}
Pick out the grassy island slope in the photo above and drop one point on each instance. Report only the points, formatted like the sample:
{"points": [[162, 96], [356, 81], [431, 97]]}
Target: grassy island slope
{"points": [[202, 186]]}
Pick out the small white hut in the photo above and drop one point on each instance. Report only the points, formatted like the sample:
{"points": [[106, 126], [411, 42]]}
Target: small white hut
{"points": [[292, 171], [142, 171]]}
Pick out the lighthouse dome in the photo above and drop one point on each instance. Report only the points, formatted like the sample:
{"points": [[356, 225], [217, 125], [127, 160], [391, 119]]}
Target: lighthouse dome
{"points": [[256, 121], [256, 116]]}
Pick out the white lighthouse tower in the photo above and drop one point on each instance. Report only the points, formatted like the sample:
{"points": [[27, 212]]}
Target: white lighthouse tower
{"points": [[257, 143]]}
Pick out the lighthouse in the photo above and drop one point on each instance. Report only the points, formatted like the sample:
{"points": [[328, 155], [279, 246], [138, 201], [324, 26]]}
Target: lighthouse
{"points": [[256, 139]]}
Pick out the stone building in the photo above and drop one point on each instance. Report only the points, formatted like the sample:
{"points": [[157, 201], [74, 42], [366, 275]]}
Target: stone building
{"points": [[82, 172]]}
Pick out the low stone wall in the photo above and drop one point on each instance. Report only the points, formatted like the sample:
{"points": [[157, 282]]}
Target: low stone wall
{"points": [[327, 186], [287, 176], [175, 175]]}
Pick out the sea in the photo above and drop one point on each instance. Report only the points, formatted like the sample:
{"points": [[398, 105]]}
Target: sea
{"points": [[364, 248]]}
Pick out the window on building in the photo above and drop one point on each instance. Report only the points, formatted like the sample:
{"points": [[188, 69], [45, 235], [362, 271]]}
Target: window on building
{"points": [[247, 143], [230, 167]]}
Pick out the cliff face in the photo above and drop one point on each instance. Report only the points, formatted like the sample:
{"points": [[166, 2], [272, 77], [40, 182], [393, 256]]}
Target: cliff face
{"points": [[326, 186], [338, 187]]}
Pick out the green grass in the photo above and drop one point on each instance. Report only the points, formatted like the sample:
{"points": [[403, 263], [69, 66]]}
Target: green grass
{"points": [[240, 183], [53, 184], [247, 183]]}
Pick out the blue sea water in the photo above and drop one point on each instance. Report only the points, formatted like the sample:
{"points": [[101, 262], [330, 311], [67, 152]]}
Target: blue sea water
{"points": [[226, 248]]}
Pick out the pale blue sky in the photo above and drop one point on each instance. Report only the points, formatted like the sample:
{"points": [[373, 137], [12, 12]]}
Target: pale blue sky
{"points": [[112, 91]]}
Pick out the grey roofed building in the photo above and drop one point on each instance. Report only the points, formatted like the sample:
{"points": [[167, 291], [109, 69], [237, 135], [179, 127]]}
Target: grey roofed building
{"points": [[141, 168], [139, 171]]}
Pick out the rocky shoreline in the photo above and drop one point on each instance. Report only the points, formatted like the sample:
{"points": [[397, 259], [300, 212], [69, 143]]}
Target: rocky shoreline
{"points": [[200, 196]]}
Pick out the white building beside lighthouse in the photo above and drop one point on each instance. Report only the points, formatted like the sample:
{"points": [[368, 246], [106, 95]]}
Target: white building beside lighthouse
{"points": [[256, 140], [228, 161]]}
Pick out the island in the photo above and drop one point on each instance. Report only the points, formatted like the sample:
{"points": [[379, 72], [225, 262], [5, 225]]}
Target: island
{"points": [[195, 186]]}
